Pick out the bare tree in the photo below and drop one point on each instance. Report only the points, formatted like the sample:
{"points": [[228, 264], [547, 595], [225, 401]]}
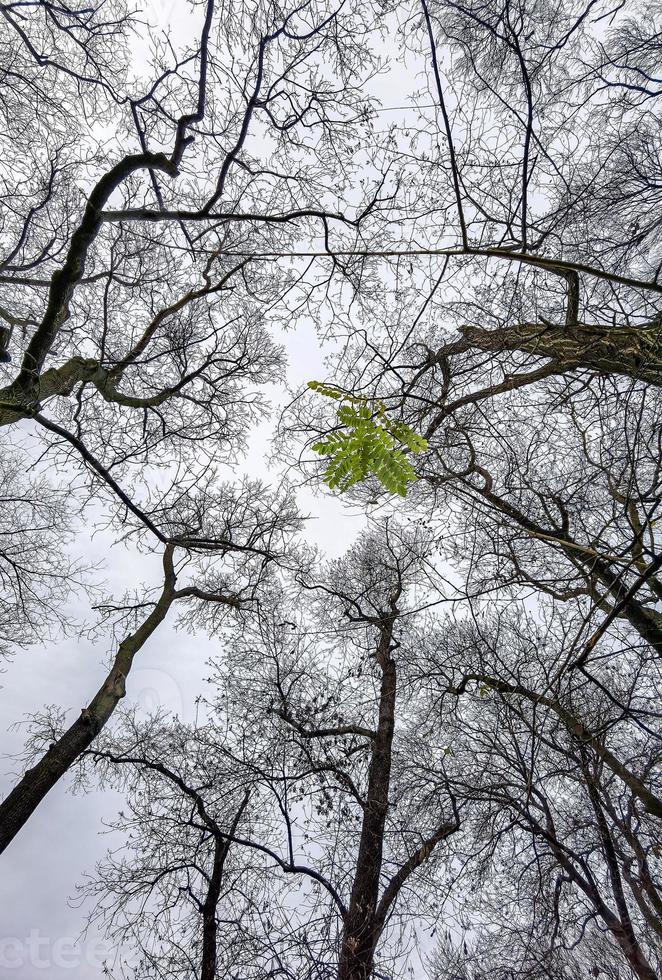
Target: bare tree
{"points": [[521, 343], [135, 339], [343, 796], [216, 578], [175, 891], [566, 789]]}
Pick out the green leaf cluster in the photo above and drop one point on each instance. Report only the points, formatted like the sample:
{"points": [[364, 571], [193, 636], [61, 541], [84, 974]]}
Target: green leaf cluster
{"points": [[366, 443]]}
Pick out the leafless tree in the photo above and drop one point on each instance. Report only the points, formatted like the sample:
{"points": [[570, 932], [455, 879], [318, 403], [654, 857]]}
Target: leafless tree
{"points": [[517, 330], [217, 579], [317, 724], [566, 787], [135, 328]]}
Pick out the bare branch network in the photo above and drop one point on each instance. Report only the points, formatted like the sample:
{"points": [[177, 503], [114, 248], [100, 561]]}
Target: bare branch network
{"points": [[429, 747]]}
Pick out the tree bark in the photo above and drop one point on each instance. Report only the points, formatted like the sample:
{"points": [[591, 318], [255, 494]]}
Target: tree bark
{"points": [[209, 923], [632, 351], [361, 927]]}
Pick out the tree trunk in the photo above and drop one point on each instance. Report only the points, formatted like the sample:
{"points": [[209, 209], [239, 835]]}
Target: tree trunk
{"points": [[210, 906], [633, 351], [209, 923], [361, 927], [23, 800]]}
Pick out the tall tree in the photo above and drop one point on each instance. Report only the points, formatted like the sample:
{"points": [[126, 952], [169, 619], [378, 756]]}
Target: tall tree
{"points": [[135, 328], [566, 789], [317, 722]]}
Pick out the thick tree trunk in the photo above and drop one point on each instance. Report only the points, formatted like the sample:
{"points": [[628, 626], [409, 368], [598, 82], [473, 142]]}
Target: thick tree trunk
{"points": [[31, 386], [17, 808], [210, 907], [18, 400], [633, 351], [362, 928]]}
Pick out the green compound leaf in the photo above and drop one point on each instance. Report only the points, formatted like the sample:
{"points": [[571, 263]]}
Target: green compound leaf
{"points": [[367, 443], [328, 390]]}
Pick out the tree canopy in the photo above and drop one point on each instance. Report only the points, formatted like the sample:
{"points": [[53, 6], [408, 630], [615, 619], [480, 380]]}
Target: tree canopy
{"points": [[434, 749]]}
